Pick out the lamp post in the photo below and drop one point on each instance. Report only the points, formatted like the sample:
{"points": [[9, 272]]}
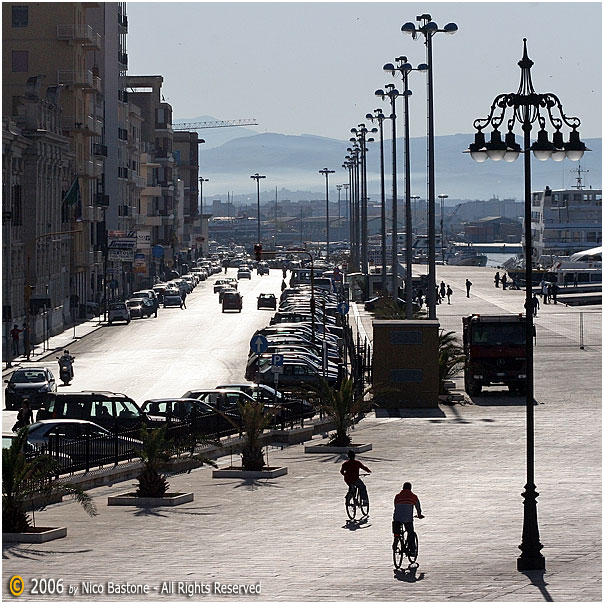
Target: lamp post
{"points": [[392, 94], [379, 117], [326, 173], [361, 139], [527, 107], [405, 68], [428, 28], [257, 178], [347, 165], [415, 219], [442, 198], [353, 159], [339, 189]]}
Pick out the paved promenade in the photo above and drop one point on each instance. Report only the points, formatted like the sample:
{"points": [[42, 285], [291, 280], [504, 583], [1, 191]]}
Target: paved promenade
{"points": [[290, 535]]}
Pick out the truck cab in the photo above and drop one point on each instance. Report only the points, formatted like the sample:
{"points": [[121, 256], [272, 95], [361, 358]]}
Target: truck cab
{"points": [[495, 350]]}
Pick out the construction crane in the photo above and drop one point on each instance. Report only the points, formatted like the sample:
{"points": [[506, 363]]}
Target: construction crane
{"points": [[217, 124]]}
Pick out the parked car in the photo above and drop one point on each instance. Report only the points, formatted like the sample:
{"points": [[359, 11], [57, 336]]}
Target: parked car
{"points": [[33, 383], [267, 301], [149, 294], [244, 273], [32, 450], [172, 298], [197, 416], [221, 399], [118, 311], [295, 373], [109, 409], [140, 308], [80, 440], [232, 300]]}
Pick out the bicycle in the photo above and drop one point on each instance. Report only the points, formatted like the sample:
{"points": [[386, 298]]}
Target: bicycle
{"points": [[354, 502], [400, 547]]}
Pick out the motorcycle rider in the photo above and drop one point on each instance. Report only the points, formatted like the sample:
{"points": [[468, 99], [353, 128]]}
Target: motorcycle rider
{"points": [[66, 360]]}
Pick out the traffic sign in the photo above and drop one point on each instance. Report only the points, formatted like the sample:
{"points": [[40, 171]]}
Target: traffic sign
{"points": [[277, 369], [157, 251], [259, 344], [343, 308], [277, 360]]}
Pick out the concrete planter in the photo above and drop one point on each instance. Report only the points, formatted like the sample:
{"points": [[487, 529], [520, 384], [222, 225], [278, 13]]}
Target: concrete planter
{"points": [[251, 474], [297, 435], [40, 534], [170, 499], [337, 450]]}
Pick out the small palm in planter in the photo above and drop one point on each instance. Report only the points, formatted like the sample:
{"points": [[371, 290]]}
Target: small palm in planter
{"points": [[342, 406], [450, 358], [155, 453], [24, 477]]}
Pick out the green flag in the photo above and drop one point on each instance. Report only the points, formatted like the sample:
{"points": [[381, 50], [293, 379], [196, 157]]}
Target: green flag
{"points": [[72, 196]]}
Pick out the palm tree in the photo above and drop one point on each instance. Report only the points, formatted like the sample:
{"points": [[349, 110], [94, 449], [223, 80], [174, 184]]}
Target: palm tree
{"points": [[155, 453], [23, 477], [254, 419], [342, 406], [450, 358]]}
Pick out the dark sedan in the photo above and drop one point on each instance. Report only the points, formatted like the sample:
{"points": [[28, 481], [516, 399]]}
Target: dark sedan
{"points": [[33, 383]]}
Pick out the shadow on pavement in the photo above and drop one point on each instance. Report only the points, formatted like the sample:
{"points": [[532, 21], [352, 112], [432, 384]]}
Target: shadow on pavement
{"points": [[355, 525], [253, 484], [409, 574], [382, 412], [536, 579], [22, 550]]}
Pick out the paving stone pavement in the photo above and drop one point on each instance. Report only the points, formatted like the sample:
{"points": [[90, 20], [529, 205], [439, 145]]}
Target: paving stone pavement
{"points": [[466, 462]]}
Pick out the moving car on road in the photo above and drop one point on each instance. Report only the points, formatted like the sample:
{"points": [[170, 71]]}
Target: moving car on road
{"points": [[267, 301], [232, 300], [33, 383], [244, 272], [140, 308], [172, 298]]}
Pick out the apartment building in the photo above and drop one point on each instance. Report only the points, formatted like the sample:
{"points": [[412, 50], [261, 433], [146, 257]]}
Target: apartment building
{"points": [[54, 41]]}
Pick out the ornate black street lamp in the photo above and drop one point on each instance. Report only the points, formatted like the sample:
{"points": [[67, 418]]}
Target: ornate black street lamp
{"points": [[353, 161], [428, 28], [257, 178], [392, 94], [528, 107], [405, 68], [326, 173], [379, 117]]}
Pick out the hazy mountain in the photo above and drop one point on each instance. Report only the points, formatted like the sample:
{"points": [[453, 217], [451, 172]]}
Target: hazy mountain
{"points": [[293, 163]]}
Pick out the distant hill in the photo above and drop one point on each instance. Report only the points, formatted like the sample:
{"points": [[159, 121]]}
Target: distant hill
{"points": [[293, 162]]}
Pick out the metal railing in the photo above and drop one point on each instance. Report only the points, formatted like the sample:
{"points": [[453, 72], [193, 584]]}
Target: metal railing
{"points": [[572, 328]]}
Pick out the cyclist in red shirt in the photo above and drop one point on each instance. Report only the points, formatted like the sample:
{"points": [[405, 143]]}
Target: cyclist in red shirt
{"points": [[350, 471], [404, 502]]}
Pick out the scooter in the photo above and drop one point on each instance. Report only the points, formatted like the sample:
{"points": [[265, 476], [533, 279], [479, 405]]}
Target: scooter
{"points": [[65, 370]]}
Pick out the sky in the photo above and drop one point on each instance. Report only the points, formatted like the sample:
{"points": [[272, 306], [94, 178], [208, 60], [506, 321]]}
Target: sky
{"points": [[313, 67]]}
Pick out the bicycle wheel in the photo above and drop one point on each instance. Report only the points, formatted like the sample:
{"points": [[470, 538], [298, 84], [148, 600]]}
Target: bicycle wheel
{"points": [[351, 506], [413, 556], [397, 552], [364, 507]]}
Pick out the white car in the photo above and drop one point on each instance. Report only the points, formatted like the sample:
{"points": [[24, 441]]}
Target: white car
{"points": [[244, 273], [118, 311]]}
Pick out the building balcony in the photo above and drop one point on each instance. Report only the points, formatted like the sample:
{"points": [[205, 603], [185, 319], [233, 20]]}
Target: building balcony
{"points": [[82, 124], [81, 34], [78, 79], [122, 21], [151, 191], [101, 199], [99, 149], [122, 59], [86, 169], [139, 182]]}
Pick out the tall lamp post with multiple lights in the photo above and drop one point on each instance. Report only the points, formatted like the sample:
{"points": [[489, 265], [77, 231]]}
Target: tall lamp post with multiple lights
{"points": [[428, 28], [442, 198], [527, 107], [391, 93], [257, 178], [379, 117], [326, 173], [404, 68]]}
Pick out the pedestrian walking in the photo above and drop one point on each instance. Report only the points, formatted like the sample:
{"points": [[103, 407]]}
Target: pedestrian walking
{"points": [[497, 279], [504, 281], [14, 334], [544, 292], [284, 272], [555, 292], [183, 297], [549, 293], [449, 294], [420, 297], [26, 342], [534, 305], [283, 285], [468, 286], [437, 296], [25, 417], [443, 289]]}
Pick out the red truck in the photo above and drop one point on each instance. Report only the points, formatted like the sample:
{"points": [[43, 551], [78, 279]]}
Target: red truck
{"points": [[495, 351]]}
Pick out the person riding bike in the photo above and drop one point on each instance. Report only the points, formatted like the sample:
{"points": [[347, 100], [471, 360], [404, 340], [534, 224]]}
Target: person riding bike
{"points": [[404, 502], [350, 471]]}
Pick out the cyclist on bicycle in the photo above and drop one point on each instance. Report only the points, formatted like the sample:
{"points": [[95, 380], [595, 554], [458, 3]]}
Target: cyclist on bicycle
{"points": [[404, 502], [350, 471]]}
